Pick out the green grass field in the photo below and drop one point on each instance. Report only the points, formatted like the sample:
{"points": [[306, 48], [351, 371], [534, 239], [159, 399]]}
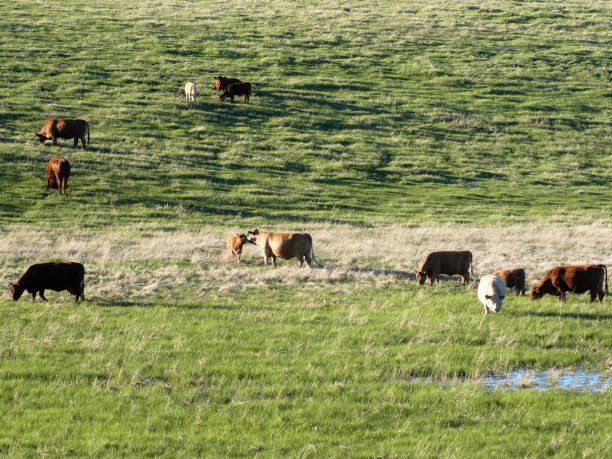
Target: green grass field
{"points": [[386, 131]]}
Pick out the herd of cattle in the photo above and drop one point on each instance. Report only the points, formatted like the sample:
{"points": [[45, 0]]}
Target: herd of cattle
{"points": [[491, 290], [58, 169]]}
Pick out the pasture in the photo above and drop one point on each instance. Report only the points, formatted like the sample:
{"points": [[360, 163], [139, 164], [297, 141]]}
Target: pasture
{"points": [[386, 132]]}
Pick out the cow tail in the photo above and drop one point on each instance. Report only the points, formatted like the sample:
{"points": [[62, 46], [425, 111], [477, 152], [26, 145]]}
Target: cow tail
{"points": [[472, 264], [87, 124], [605, 276], [312, 255]]}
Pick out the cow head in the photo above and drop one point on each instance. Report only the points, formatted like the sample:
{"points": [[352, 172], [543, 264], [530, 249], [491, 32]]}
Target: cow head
{"points": [[421, 277], [17, 291], [536, 294], [252, 236], [494, 302], [244, 239], [41, 138], [217, 82]]}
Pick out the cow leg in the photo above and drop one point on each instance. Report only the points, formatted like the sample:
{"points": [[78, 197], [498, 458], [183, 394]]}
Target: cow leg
{"points": [[33, 296], [309, 260], [601, 294], [273, 261], [54, 140], [76, 142], [593, 293], [301, 260], [83, 140], [41, 294], [232, 99]]}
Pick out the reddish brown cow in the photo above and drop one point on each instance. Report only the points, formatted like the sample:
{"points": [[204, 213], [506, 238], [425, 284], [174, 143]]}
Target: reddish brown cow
{"points": [[235, 242], [58, 128], [237, 89], [447, 262], [513, 277], [575, 279], [58, 172], [51, 276], [284, 245], [220, 82]]}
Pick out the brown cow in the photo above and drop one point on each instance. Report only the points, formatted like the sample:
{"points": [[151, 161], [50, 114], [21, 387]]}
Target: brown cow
{"points": [[237, 89], [58, 128], [513, 277], [284, 245], [51, 276], [235, 242], [58, 172], [575, 279], [220, 82], [448, 263]]}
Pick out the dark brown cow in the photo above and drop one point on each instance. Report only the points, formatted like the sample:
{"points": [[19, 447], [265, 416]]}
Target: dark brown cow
{"points": [[235, 242], [220, 82], [514, 278], [58, 128], [447, 262], [51, 276], [237, 89], [284, 245], [575, 279], [58, 172]]}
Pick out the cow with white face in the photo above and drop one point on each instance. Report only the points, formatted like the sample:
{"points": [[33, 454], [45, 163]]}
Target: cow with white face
{"points": [[491, 293], [190, 92]]}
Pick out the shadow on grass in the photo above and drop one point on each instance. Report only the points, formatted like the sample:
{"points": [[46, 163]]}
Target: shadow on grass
{"points": [[385, 272], [564, 315]]}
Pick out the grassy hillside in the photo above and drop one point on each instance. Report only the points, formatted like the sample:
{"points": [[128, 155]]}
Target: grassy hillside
{"points": [[387, 131], [455, 111]]}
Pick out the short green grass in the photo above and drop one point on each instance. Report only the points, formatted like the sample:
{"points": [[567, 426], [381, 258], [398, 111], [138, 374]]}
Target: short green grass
{"points": [[363, 116]]}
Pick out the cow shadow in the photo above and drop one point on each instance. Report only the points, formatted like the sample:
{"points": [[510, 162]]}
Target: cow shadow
{"points": [[564, 315]]}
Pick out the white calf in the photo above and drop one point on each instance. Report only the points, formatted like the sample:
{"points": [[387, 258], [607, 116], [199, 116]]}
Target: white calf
{"points": [[491, 293], [190, 91]]}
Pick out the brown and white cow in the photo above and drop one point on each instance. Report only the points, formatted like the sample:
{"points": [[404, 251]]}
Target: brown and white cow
{"points": [[237, 89], [51, 276], [446, 262], [235, 242], [574, 279], [514, 278], [220, 82], [284, 245], [59, 128], [58, 172]]}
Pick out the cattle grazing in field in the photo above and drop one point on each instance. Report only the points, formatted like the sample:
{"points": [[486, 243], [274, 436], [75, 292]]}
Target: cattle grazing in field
{"points": [[51, 276], [284, 245], [235, 242], [237, 89], [514, 278], [446, 262], [220, 82], [491, 292], [190, 91], [574, 279], [58, 128], [58, 172]]}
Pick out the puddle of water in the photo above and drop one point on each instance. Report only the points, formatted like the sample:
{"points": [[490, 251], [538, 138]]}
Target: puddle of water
{"points": [[545, 380], [578, 380]]}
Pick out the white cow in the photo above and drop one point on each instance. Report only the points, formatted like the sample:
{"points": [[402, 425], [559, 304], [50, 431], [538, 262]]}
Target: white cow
{"points": [[491, 293], [190, 91]]}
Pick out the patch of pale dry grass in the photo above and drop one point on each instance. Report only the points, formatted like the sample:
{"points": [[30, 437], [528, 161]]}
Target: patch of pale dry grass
{"points": [[125, 263]]}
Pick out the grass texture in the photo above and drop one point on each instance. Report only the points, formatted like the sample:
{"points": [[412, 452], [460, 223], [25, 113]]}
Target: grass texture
{"points": [[386, 131]]}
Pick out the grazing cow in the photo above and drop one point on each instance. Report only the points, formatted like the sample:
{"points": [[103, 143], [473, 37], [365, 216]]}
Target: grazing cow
{"points": [[235, 242], [237, 89], [190, 91], [575, 279], [448, 263], [58, 128], [284, 245], [514, 278], [491, 292], [58, 172], [51, 276], [220, 82]]}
